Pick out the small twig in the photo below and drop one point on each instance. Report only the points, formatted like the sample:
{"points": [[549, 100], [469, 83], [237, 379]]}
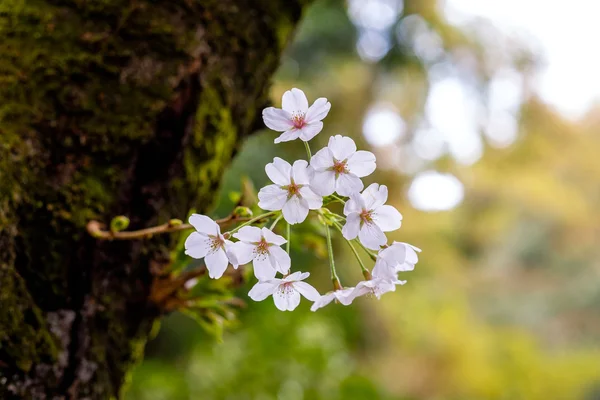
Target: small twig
{"points": [[96, 229]]}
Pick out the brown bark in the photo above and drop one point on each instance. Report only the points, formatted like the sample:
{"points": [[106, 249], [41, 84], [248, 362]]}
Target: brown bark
{"points": [[112, 107]]}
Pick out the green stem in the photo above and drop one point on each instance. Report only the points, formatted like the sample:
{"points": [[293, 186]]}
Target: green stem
{"points": [[338, 199], [368, 251], [289, 237], [334, 276], [253, 220], [360, 262], [276, 221], [308, 150]]}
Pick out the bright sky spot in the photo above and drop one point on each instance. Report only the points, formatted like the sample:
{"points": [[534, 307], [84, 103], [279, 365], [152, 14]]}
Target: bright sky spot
{"points": [[452, 112], [434, 191], [567, 34], [383, 125]]}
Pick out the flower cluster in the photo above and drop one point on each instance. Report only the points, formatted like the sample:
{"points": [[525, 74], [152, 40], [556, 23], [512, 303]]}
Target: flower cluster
{"points": [[334, 174]]}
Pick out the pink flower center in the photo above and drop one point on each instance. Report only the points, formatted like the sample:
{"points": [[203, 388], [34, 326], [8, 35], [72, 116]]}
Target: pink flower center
{"points": [[298, 120], [262, 247], [293, 189], [340, 167], [215, 242], [286, 288], [366, 216]]}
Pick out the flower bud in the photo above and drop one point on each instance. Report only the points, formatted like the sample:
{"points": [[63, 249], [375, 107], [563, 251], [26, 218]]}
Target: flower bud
{"points": [[175, 222], [119, 223], [242, 212]]}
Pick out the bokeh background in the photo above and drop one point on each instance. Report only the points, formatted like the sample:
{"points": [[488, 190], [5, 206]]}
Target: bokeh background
{"points": [[483, 117]]}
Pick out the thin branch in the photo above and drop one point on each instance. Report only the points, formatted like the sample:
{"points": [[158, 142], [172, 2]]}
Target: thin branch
{"points": [[96, 229]]}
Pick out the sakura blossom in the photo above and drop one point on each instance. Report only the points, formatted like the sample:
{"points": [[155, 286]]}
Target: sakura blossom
{"points": [[295, 190], [384, 279], [286, 292], [339, 167], [296, 119], [261, 246], [400, 256], [208, 243], [368, 217], [341, 295], [291, 190]]}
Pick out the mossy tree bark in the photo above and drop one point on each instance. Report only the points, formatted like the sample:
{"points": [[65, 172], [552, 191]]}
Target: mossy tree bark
{"points": [[112, 107]]}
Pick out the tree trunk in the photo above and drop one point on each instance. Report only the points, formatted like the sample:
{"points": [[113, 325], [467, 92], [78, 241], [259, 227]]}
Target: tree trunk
{"points": [[112, 107]]}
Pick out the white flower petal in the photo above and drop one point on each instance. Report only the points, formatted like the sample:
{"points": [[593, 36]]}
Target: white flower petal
{"points": [[281, 258], [296, 276], [387, 218], [322, 301], [342, 147], [374, 196], [362, 163], [197, 245], [352, 226], [294, 101], [344, 296], [346, 184], [286, 298], [371, 236], [216, 263], [262, 290], [272, 198], [301, 173], [263, 269], [279, 171], [323, 159], [319, 110], [356, 204], [295, 210], [272, 238], [323, 183], [306, 290], [309, 131], [231, 256], [288, 136], [361, 289], [244, 252], [313, 200], [204, 224], [384, 270], [250, 234], [277, 119]]}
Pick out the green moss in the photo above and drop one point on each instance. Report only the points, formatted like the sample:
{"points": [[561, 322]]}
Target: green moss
{"points": [[83, 88], [24, 337]]}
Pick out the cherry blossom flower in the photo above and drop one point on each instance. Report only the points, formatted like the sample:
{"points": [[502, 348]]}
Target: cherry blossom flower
{"points": [[296, 119], [290, 192], [286, 292], [400, 257], [368, 217], [261, 246], [339, 295], [339, 167], [383, 280], [208, 243]]}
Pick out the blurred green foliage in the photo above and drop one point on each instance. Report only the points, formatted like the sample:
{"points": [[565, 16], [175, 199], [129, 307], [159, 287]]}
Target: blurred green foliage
{"points": [[505, 301]]}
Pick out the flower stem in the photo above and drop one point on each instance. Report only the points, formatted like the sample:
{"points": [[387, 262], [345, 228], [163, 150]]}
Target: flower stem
{"points": [[276, 221], [371, 255], [354, 251], [308, 153], [338, 199], [334, 277], [289, 237], [253, 220]]}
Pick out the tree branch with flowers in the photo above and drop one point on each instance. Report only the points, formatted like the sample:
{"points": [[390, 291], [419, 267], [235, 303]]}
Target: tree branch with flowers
{"points": [[298, 189]]}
